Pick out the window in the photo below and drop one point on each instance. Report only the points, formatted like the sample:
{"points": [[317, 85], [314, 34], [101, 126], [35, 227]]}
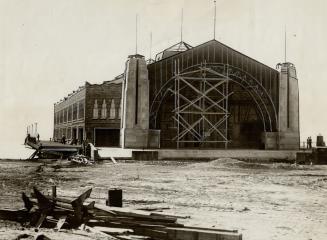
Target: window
{"points": [[61, 116], [95, 110], [104, 110], [70, 113], [112, 109], [74, 111], [65, 115], [81, 109], [69, 133]]}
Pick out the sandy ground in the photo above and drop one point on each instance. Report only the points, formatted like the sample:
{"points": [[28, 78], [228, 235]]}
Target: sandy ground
{"points": [[262, 201]]}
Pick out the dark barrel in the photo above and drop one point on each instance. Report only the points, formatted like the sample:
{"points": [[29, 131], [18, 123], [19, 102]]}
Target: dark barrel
{"points": [[115, 197]]}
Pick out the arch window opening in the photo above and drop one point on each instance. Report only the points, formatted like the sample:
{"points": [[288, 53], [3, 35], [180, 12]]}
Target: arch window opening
{"points": [[104, 110]]}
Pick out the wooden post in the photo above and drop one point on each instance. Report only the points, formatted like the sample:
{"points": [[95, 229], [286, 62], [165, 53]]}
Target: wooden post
{"points": [[54, 191]]}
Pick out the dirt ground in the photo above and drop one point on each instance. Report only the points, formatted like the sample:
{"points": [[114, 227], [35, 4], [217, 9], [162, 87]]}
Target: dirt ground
{"points": [[262, 201]]}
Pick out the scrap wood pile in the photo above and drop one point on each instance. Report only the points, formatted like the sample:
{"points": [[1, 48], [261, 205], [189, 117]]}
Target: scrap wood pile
{"points": [[121, 223]]}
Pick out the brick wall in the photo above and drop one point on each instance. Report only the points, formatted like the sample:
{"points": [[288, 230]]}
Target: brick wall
{"points": [[108, 91], [75, 114], [69, 114]]}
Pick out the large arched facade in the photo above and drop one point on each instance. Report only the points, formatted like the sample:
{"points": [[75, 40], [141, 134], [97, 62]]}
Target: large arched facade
{"points": [[208, 96], [212, 96]]}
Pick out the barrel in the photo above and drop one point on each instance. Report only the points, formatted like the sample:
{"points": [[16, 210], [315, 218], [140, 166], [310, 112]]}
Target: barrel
{"points": [[115, 197]]}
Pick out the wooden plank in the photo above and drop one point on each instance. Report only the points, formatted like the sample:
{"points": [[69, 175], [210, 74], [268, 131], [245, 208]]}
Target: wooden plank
{"points": [[154, 209], [13, 215], [113, 160], [169, 215], [104, 209], [60, 223], [42, 200], [64, 200], [93, 230], [201, 234], [41, 220], [123, 211], [136, 223], [212, 229], [33, 154], [114, 231], [152, 233], [57, 212], [132, 237], [64, 206], [79, 209], [136, 214], [90, 206]]}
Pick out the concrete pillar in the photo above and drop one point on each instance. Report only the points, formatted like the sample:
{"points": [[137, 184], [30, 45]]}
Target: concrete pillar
{"points": [[294, 100], [289, 135], [135, 131], [283, 99], [136, 93]]}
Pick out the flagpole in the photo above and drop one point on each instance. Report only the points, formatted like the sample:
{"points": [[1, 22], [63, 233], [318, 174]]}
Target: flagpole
{"points": [[285, 45], [214, 21], [136, 35]]}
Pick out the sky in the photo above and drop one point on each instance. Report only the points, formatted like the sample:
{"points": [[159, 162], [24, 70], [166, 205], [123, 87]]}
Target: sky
{"points": [[48, 48]]}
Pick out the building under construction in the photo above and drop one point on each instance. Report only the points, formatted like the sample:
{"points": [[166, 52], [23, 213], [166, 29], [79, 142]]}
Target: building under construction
{"points": [[207, 96]]}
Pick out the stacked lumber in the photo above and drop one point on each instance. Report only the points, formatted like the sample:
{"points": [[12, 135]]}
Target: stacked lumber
{"points": [[122, 223], [49, 211]]}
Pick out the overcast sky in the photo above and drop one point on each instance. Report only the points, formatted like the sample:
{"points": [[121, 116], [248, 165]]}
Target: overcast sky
{"points": [[50, 47]]}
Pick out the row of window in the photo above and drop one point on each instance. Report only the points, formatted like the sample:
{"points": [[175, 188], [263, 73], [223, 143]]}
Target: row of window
{"points": [[69, 133], [102, 112], [70, 113], [58, 133], [76, 111]]}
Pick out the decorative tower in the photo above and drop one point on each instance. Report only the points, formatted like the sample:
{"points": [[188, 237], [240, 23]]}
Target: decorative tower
{"points": [[288, 128], [135, 132]]}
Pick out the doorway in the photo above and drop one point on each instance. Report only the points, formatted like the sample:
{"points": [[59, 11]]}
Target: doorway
{"points": [[80, 135], [104, 137]]}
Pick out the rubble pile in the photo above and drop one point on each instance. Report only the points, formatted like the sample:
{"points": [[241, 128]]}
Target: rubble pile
{"points": [[80, 159]]}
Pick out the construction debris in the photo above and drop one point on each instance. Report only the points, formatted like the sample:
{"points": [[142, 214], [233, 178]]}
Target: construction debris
{"points": [[122, 223], [80, 159]]}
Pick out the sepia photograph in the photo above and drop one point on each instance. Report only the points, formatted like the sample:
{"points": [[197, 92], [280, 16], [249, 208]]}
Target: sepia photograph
{"points": [[163, 119]]}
